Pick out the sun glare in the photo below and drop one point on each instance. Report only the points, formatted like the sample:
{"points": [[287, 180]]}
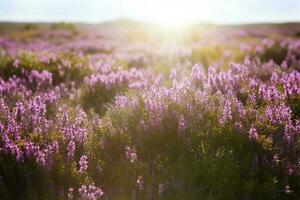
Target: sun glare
{"points": [[172, 13]]}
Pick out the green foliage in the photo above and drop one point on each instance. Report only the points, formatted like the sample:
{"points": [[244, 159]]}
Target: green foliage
{"points": [[294, 103], [275, 53], [64, 26], [23, 180]]}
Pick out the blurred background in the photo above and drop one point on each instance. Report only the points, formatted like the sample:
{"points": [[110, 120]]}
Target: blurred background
{"points": [[167, 12]]}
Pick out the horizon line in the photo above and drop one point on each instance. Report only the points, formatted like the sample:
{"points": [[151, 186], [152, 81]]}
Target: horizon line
{"points": [[254, 22]]}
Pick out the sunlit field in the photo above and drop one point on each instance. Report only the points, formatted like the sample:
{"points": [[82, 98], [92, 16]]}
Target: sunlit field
{"points": [[130, 110]]}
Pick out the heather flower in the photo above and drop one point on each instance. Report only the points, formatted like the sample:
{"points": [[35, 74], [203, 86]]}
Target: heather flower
{"points": [[70, 193], [289, 168], [90, 192], [253, 134], [173, 74], [140, 182], [130, 154], [237, 106], [43, 78], [252, 99], [274, 78], [83, 164], [121, 101], [287, 189], [278, 114], [16, 63], [226, 114], [198, 74], [41, 158], [161, 188], [238, 126], [181, 125], [70, 150], [273, 94], [262, 91], [291, 83], [289, 131], [276, 159]]}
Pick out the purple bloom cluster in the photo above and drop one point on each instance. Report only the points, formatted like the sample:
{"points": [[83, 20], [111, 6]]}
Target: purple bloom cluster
{"points": [[130, 154], [90, 192], [83, 164]]}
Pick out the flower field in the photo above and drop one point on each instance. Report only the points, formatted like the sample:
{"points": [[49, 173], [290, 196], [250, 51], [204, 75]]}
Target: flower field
{"points": [[122, 111]]}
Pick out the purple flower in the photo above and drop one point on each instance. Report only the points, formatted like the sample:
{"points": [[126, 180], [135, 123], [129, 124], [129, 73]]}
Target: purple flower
{"points": [[71, 150], [90, 192], [287, 189], [161, 188], [83, 164], [226, 114], [181, 125], [130, 154], [253, 134], [70, 193]]}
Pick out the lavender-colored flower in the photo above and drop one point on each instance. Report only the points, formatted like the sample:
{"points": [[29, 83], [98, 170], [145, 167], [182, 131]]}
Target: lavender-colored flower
{"points": [[90, 192], [130, 154], [253, 134], [71, 193], [287, 189], [226, 114], [181, 125], [70, 150], [83, 164], [161, 188]]}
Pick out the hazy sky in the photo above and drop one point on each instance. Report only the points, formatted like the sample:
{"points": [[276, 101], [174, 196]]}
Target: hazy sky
{"points": [[165, 11]]}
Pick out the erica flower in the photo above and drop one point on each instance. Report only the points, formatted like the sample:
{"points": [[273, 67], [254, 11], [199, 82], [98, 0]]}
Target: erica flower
{"points": [[130, 154], [70, 193], [287, 189], [90, 192], [226, 115], [161, 188], [121, 101], [252, 134], [181, 125], [71, 149], [83, 164], [140, 182]]}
